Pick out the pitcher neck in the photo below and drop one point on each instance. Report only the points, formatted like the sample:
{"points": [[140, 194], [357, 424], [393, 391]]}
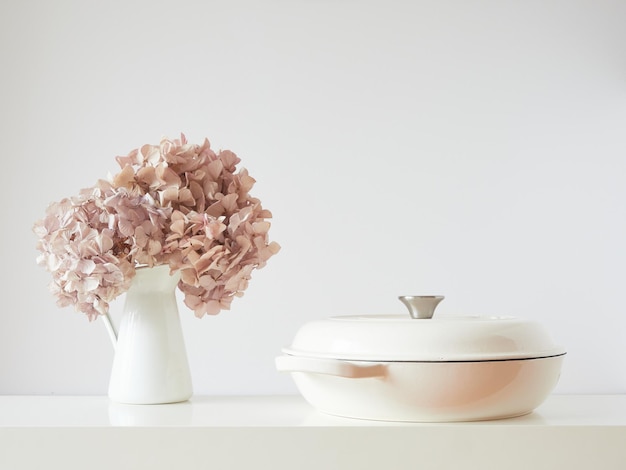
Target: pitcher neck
{"points": [[156, 278]]}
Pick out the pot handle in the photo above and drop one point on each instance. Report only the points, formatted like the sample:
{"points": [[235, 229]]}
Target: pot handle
{"points": [[337, 367]]}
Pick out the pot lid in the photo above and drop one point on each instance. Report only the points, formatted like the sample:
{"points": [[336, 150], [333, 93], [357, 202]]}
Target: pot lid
{"points": [[444, 338]]}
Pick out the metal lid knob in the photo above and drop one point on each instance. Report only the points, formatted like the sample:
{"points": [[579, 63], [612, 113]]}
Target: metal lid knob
{"points": [[421, 306]]}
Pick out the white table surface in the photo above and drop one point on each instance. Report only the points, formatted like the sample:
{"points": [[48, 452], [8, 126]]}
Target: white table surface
{"points": [[276, 432]]}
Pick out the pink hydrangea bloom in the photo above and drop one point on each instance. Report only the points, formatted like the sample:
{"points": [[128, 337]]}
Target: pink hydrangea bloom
{"points": [[174, 203]]}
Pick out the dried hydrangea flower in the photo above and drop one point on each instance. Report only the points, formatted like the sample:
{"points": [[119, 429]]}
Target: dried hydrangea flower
{"points": [[174, 203]]}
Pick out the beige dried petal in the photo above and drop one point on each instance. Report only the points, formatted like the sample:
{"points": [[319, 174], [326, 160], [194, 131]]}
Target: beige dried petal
{"points": [[168, 196], [215, 210], [125, 178], [261, 227], [90, 284], [207, 282], [210, 188], [86, 266], [126, 227], [178, 215], [229, 159], [273, 248], [215, 169], [185, 197], [141, 238], [244, 246], [104, 241], [212, 307], [178, 228], [246, 182], [194, 243], [131, 159], [150, 153], [147, 176], [192, 301], [197, 194], [229, 202], [168, 176], [154, 247], [204, 263]]}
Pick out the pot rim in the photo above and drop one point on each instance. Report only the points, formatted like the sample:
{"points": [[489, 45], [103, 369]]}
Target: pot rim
{"points": [[469, 359]]}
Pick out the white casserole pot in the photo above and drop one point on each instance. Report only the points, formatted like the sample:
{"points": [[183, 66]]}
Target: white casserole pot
{"points": [[448, 368]]}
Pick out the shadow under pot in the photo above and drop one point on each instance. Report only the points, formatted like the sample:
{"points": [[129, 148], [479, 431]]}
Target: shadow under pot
{"points": [[422, 369]]}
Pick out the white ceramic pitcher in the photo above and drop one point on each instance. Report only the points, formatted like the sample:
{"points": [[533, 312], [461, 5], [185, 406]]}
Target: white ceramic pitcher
{"points": [[150, 364]]}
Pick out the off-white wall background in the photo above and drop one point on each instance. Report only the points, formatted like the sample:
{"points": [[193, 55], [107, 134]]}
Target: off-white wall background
{"points": [[470, 148]]}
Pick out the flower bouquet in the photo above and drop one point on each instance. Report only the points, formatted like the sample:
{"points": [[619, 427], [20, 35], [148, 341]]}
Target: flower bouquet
{"points": [[175, 204]]}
